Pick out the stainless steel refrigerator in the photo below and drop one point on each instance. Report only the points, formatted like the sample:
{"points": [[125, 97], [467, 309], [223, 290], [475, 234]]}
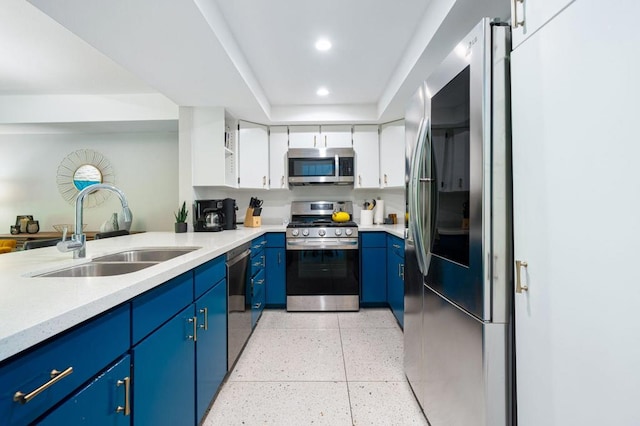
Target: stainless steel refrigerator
{"points": [[458, 255]]}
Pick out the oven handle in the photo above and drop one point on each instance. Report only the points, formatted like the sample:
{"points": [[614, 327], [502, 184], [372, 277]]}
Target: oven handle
{"points": [[319, 245]]}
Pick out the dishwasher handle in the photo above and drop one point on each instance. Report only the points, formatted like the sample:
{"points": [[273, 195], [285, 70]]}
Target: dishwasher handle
{"points": [[238, 258]]}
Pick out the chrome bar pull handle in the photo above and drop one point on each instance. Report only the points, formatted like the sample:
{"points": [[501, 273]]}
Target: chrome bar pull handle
{"points": [[205, 314], [194, 336], [55, 375], [126, 410], [314, 141], [519, 287], [514, 13]]}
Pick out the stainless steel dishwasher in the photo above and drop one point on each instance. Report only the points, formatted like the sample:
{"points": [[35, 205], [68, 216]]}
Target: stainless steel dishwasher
{"points": [[238, 301]]}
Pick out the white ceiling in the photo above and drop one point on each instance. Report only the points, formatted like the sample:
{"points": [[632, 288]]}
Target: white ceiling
{"points": [[254, 57]]}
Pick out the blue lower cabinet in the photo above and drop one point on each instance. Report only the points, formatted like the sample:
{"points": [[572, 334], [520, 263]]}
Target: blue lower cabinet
{"points": [[72, 359], [276, 277], [105, 401], [164, 373], [373, 268], [211, 346], [395, 277]]}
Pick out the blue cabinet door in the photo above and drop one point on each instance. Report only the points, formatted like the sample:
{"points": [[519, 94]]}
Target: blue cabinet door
{"points": [[164, 374], [211, 345], [105, 401], [275, 277], [373, 276], [395, 277]]}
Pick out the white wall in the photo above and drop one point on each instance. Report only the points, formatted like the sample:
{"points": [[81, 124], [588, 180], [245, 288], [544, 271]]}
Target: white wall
{"points": [[145, 166]]}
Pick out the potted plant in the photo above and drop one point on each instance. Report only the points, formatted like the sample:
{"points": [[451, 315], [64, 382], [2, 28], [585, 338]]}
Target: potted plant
{"points": [[181, 218]]}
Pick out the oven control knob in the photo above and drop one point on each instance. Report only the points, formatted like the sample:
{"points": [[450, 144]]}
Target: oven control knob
{"points": [[305, 232], [348, 232], [294, 232], [321, 232], [338, 232]]}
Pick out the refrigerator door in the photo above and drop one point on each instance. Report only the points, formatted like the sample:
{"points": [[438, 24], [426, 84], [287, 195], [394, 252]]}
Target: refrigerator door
{"points": [[465, 367], [458, 110], [413, 277]]}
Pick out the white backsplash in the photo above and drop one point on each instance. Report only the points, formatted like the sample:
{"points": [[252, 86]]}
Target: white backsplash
{"points": [[277, 203]]}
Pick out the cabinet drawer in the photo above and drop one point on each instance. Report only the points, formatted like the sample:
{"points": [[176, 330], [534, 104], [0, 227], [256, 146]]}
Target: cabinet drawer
{"points": [[396, 245], [373, 239], [258, 262], [258, 244], [87, 350], [152, 309], [208, 275], [275, 239]]}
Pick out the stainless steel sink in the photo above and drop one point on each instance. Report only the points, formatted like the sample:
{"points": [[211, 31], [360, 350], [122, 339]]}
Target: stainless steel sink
{"points": [[156, 254], [99, 269]]}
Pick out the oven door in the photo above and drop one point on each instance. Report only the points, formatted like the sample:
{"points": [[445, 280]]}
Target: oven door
{"points": [[323, 279]]}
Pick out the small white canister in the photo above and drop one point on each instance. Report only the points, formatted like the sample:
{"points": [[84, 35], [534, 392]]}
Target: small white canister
{"points": [[366, 217]]}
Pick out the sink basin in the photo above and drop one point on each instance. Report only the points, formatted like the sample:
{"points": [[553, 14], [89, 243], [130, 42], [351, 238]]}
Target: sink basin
{"points": [[99, 269], [157, 254]]}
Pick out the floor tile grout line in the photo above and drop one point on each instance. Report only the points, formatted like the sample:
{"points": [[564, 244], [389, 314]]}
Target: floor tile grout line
{"points": [[344, 364]]}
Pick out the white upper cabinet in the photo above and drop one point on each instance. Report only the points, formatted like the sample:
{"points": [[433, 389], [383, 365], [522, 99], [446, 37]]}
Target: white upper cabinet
{"points": [[392, 154], [367, 150], [253, 142], [527, 16], [212, 137], [278, 146], [335, 136], [304, 136]]}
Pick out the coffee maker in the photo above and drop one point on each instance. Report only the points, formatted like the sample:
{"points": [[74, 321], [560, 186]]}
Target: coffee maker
{"points": [[229, 208], [208, 215]]}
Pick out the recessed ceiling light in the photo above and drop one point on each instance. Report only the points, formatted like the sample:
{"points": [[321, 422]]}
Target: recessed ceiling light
{"points": [[323, 44], [322, 91]]}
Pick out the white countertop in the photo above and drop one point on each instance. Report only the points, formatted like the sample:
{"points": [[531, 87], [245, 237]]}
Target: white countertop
{"points": [[32, 309], [397, 230]]}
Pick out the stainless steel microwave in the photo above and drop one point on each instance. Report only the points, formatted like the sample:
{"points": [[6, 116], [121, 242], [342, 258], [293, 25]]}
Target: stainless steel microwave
{"points": [[317, 166]]}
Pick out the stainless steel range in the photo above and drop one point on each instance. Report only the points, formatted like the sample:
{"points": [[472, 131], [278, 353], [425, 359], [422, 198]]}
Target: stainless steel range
{"points": [[322, 258]]}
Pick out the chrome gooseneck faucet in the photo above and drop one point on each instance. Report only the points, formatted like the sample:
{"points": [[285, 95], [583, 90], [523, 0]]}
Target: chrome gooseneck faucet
{"points": [[78, 241]]}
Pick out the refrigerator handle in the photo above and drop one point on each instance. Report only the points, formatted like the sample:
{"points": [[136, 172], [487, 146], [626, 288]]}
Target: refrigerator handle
{"points": [[415, 208]]}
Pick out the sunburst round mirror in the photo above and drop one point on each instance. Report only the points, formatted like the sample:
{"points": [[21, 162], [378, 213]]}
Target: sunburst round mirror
{"points": [[80, 169]]}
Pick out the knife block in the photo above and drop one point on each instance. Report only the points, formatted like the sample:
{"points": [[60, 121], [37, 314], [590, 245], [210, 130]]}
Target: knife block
{"points": [[251, 221]]}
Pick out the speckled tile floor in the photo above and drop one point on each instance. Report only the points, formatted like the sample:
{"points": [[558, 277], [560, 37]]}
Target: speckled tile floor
{"points": [[322, 368]]}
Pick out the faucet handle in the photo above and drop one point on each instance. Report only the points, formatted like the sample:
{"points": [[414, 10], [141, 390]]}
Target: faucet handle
{"points": [[64, 233]]}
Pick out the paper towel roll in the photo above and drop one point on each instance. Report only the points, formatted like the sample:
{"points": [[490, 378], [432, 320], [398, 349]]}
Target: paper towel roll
{"points": [[366, 217], [378, 213]]}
